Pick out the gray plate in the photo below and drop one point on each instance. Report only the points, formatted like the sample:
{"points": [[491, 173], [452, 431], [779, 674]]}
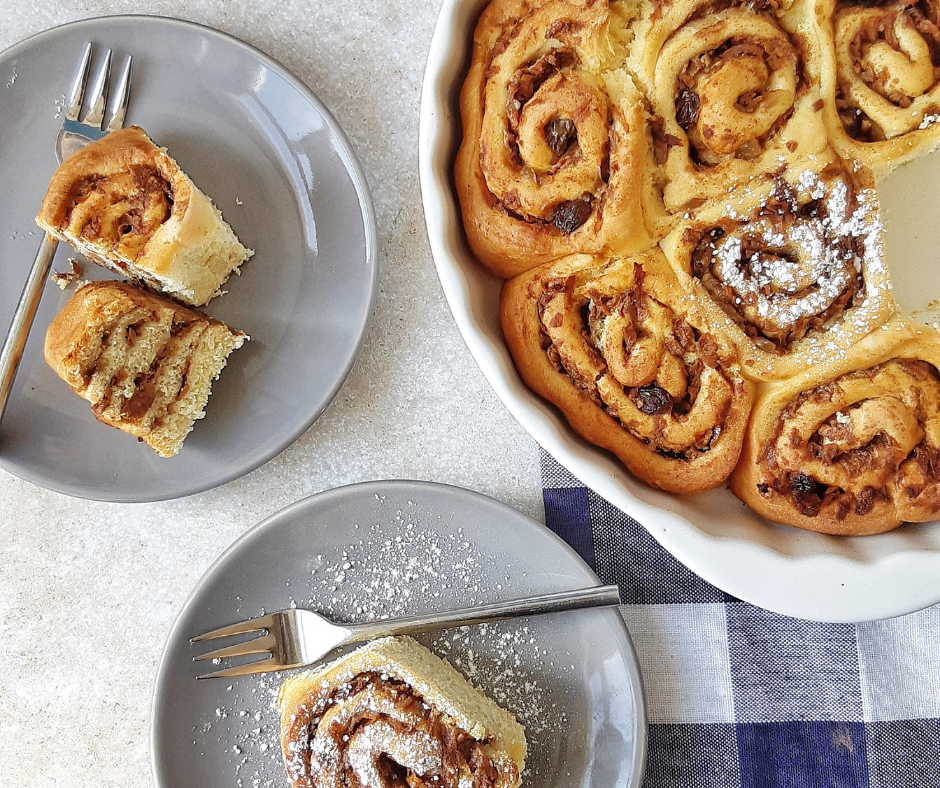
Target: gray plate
{"points": [[393, 548], [271, 156]]}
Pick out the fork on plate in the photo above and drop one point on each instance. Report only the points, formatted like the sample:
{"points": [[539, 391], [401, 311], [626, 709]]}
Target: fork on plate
{"points": [[296, 638], [74, 135]]}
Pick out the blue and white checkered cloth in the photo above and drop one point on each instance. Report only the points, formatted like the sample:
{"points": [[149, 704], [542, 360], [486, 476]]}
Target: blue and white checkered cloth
{"points": [[740, 696]]}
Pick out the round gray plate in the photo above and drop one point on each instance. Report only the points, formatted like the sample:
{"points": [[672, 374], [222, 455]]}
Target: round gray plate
{"points": [[273, 159], [394, 548]]}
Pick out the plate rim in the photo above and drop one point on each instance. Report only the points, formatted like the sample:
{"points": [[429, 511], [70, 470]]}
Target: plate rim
{"points": [[370, 232], [376, 486], [797, 586]]}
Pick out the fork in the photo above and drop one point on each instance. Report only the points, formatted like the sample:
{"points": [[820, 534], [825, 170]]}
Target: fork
{"points": [[74, 135], [296, 638]]}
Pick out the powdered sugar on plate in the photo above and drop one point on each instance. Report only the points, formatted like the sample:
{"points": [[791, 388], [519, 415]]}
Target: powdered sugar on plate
{"points": [[408, 563]]}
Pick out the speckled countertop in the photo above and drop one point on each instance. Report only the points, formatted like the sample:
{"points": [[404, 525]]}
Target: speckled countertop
{"points": [[88, 591]]}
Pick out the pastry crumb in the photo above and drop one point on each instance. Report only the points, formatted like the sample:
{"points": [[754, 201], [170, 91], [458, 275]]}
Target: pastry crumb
{"points": [[64, 279]]}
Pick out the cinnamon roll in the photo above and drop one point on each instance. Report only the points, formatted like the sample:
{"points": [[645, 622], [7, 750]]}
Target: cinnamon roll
{"points": [[611, 344], [792, 277], [554, 148], [125, 204], [852, 447], [392, 714], [730, 94], [880, 78], [145, 363]]}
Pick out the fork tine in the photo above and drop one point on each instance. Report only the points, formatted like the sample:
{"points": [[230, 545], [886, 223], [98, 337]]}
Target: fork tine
{"points": [[78, 85], [95, 115], [251, 625], [122, 94], [253, 646], [259, 666]]}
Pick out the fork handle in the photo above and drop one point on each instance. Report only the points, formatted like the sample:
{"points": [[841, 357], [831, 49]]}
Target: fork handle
{"points": [[599, 596], [23, 318]]}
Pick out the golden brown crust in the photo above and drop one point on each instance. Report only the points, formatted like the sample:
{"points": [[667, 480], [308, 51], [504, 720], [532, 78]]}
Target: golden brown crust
{"points": [[555, 146], [634, 376], [124, 203], [851, 447]]}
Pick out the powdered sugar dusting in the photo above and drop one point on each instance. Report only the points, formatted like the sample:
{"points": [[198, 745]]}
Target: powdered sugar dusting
{"points": [[502, 665], [381, 576], [929, 120], [246, 722], [409, 562], [796, 269]]}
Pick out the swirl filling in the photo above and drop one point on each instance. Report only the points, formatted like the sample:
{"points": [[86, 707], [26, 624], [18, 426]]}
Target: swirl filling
{"points": [[866, 445], [793, 267], [120, 210], [736, 89], [731, 98], [374, 731], [888, 64], [546, 125], [660, 378]]}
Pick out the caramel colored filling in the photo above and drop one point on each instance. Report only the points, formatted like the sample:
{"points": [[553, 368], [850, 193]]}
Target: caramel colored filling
{"points": [[659, 377], [870, 439], [120, 212], [376, 732]]}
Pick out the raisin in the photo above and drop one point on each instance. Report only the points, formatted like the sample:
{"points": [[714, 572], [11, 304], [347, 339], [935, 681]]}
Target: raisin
{"points": [[701, 260], [803, 483], [653, 400], [570, 215], [560, 134], [688, 104], [810, 210]]}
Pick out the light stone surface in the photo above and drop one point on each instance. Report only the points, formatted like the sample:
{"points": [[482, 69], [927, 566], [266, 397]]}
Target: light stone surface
{"points": [[88, 591]]}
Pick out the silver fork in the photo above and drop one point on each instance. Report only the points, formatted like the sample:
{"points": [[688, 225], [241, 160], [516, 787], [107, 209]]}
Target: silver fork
{"points": [[74, 135], [296, 638]]}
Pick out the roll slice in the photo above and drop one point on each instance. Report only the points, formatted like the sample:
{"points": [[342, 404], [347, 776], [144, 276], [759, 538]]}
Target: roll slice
{"points": [[145, 363], [125, 204], [392, 713]]}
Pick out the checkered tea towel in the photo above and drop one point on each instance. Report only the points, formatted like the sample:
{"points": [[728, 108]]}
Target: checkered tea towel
{"points": [[740, 696]]}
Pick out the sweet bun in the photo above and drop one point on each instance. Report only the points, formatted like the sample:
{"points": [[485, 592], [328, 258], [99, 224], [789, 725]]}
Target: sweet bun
{"points": [[609, 342], [125, 204], [145, 363], [850, 447], [392, 712]]}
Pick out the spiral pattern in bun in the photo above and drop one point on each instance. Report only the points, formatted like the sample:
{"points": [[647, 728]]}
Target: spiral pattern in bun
{"points": [[880, 74], [392, 714], [607, 342], [729, 95], [554, 142], [791, 276], [124, 203], [852, 448]]}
